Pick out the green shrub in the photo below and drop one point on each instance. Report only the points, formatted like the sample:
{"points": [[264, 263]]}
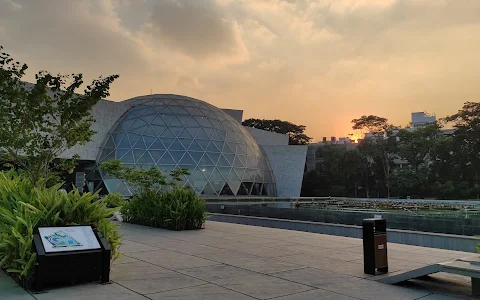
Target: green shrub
{"points": [[178, 209], [114, 200], [25, 207]]}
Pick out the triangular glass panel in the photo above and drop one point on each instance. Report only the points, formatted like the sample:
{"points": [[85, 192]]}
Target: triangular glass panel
{"points": [[239, 136], [212, 148], [229, 148], [214, 156], [195, 146], [176, 145], [218, 135], [233, 176], [158, 121], [145, 159], [258, 176], [186, 142], [234, 186], [217, 186], [251, 162], [237, 162], [159, 107], [241, 149], [243, 159], [219, 145], [230, 137], [138, 130], [176, 122], [229, 157], [149, 131], [208, 112], [109, 143], [217, 176], [177, 155], [192, 122], [137, 153], [128, 158], [209, 132], [187, 160], [166, 159], [243, 190], [174, 108], [227, 191], [159, 129], [220, 115], [184, 120], [203, 143], [196, 155], [166, 110], [107, 154], [225, 171], [239, 172], [182, 111], [223, 161], [149, 118], [120, 153], [125, 125], [176, 130], [207, 123], [192, 110], [167, 118], [193, 131], [117, 137], [140, 144], [149, 140], [167, 141], [168, 133], [130, 115], [208, 190], [205, 161], [190, 168], [156, 154], [216, 123], [202, 135], [207, 171], [250, 151], [200, 119], [247, 176], [124, 143], [185, 134], [138, 123], [157, 145], [133, 137]]}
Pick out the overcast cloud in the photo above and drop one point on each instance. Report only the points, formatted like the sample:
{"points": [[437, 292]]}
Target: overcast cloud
{"points": [[320, 63]]}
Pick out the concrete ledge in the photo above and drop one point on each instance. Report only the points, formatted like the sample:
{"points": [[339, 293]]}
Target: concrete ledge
{"points": [[414, 238]]}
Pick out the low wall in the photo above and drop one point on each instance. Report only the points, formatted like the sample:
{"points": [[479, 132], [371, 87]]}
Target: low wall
{"points": [[458, 226], [414, 238]]}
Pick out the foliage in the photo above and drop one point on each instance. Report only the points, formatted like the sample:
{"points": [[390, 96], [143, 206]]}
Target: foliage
{"points": [[295, 132], [373, 124], [42, 120], [114, 200], [178, 209], [24, 207], [145, 180]]}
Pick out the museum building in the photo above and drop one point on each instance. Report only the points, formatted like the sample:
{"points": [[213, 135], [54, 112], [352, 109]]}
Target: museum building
{"points": [[223, 157]]}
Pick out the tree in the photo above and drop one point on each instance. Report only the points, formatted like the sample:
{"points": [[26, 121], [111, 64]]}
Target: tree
{"points": [[145, 180], [415, 145], [296, 135], [41, 121], [467, 135], [380, 149]]}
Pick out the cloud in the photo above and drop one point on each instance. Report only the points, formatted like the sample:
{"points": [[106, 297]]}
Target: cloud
{"points": [[198, 29]]}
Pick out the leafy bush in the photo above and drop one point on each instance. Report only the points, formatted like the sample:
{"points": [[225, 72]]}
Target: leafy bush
{"points": [[114, 200], [178, 209], [24, 207]]}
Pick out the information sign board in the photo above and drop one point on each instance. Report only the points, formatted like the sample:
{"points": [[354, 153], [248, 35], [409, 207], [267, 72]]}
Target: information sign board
{"points": [[71, 238]]}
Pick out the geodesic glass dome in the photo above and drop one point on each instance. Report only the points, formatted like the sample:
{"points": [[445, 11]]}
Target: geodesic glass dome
{"points": [[171, 131]]}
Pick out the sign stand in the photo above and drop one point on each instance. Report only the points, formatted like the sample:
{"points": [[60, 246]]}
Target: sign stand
{"points": [[70, 254]]}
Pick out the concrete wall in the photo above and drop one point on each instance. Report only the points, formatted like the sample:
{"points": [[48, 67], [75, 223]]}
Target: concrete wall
{"points": [[287, 163], [106, 113], [234, 113], [415, 238], [264, 137]]}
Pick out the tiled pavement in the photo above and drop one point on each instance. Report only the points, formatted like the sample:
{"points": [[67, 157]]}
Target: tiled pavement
{"points": [[237, 262]]}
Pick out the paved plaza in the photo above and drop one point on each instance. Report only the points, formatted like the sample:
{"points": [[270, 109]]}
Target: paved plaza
{"points": [[238, 262]]}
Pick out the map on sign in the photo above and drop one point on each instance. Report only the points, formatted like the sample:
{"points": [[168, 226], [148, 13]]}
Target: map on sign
{"points": [[72, 238]]}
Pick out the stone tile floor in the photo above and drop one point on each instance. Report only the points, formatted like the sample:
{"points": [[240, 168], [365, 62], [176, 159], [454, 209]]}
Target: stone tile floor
{"points": [[238, 262]]}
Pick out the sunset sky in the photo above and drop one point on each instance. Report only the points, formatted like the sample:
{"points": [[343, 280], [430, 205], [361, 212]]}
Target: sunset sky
{"points": [[319, 63]]}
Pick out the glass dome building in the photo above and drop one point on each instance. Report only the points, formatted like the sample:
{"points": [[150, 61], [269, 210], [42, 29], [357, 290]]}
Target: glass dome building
{"points": [[171, 131]]}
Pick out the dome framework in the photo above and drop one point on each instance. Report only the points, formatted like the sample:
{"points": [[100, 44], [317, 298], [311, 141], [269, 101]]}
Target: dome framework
{"points": [[171, 131]]}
